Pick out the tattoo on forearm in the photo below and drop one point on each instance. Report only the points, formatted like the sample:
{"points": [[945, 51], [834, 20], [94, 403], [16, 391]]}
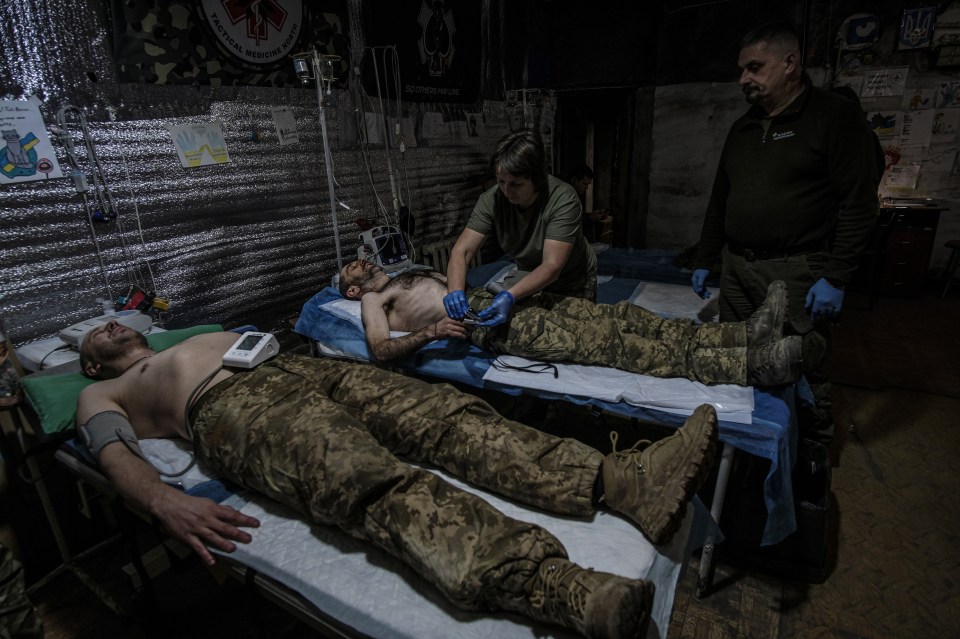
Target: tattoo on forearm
{"points": [[389, 349]]}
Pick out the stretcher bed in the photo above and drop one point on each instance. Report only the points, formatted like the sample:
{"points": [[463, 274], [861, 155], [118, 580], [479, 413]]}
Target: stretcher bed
{"points": [[346, 588], [763, 425]]}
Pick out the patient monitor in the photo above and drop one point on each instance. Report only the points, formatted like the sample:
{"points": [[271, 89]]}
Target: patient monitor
{"points": [[73, 335], [251, 350], [386, 246]]}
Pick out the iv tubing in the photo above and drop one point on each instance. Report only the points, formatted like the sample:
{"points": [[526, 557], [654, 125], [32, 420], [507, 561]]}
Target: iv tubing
{"points": [[327, 160]]}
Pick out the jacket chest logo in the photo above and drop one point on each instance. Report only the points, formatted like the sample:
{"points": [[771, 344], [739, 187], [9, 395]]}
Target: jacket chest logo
{"points": [[783, 135]]}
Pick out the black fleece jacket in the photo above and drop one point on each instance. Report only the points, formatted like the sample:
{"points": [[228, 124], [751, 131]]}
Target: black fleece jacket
{"points": [[807, 180]]}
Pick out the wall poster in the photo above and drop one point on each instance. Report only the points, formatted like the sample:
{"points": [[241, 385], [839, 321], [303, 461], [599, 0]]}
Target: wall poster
{"points": [[26, 154]]}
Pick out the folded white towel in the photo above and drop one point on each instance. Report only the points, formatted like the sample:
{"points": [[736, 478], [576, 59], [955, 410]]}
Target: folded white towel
{"points": [[675, 395]]}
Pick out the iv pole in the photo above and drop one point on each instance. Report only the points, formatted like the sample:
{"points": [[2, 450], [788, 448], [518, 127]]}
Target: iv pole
{"points": [[304, 73]]}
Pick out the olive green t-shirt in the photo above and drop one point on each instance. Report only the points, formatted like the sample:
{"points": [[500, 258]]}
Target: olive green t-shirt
{"points": [[554, 216]]}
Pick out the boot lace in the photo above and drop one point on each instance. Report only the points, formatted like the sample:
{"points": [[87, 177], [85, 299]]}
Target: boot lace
{"points": [[632, 452], [552, 600]]}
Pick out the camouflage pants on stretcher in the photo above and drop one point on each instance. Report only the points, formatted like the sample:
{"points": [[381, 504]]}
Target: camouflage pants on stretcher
{"points": [[326, 437], [623, 335]]}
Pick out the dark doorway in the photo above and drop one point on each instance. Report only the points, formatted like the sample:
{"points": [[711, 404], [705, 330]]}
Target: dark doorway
{"points": [[609, 130]]}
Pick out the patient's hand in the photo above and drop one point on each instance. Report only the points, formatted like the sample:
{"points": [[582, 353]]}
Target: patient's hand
{"points": [[200, 522], [450, 329]]}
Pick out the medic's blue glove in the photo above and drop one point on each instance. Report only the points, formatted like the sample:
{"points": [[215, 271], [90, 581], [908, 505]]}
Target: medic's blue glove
{"points": [[456, 304], [499, 310], [699, 280], [824, 300]]}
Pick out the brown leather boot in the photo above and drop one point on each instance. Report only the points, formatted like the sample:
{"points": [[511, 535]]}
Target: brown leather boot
{"points": [[652, 486], [595, 604]]}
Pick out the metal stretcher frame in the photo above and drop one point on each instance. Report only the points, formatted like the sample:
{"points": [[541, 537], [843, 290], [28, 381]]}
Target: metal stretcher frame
{"points": [[772, 436], [277, 593]]}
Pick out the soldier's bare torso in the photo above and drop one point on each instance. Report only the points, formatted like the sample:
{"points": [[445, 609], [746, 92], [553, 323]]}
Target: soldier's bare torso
{"points": [[153, 392], [413, 299]]}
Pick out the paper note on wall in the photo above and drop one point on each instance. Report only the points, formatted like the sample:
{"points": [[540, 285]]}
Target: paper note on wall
{"points": [[26, 154], [884, 82], [286, 125], [199, 144]]}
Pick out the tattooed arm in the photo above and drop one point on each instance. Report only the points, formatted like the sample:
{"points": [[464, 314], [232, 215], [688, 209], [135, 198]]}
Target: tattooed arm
{"points": [[376, 324]]}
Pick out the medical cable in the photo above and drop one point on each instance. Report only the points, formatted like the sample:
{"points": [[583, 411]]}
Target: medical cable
{"points": [[535, 367], [193, 456], [102, 194], [194, 395], [136, 215], [103, 206], [81, 185]]}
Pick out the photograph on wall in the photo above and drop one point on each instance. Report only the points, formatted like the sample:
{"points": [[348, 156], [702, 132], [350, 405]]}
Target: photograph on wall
{"points": [[916, 28], [199, 144], [474, 124], [225, 42], [26, 154]]}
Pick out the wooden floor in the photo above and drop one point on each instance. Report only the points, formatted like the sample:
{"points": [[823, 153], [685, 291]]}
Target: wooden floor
{"points": [[896, 535]]}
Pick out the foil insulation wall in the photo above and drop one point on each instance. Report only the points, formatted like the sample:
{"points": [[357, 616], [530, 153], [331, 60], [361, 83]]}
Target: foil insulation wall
{"points": [[241, 243]]}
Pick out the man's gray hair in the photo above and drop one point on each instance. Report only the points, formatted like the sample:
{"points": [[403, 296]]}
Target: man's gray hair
{"points": [[781, 32]]}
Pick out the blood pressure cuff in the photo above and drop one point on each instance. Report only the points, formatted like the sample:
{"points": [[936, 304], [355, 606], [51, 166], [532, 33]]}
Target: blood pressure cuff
{"points": [[106, 428]]}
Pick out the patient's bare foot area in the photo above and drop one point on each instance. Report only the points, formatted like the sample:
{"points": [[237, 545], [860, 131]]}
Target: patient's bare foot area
{"points": [[653, 485], [595, 604]]}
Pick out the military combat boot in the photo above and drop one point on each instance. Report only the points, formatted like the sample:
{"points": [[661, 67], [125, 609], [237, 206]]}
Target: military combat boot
{"points": [[652, 486], [775, 363], [595, 604], [766, 323]]}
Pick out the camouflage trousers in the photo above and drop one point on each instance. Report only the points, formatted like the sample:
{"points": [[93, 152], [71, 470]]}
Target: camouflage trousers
{"points": [[622, 335], [326, 438], [743, 287]]}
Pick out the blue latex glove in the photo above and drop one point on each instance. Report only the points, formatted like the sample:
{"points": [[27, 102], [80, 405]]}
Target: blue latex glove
{"points": [[456, 304], [824, 301], [699, 281], [499, 310]]}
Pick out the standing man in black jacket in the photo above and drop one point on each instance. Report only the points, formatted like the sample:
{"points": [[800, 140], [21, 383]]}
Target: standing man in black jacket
{"points": [[794, 199]]}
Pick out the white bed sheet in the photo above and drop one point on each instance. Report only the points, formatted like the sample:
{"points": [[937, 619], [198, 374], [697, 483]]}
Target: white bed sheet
{"points": [[378, 595], [676, 395]]}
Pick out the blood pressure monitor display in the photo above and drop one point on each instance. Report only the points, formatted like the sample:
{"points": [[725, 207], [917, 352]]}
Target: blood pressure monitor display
{"points": [[251, 349], [248, 342]]}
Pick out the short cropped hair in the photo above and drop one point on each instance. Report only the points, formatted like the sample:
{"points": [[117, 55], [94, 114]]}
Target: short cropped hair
{"points": [[521, 154], [342, 283], [780, 31]]}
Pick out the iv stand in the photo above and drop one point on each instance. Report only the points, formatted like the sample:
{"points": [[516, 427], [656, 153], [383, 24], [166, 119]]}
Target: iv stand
{"points": [[315, 62]]}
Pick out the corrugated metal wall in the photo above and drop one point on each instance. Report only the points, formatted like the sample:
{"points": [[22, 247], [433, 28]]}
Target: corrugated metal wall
{"points": [[247, 242]]}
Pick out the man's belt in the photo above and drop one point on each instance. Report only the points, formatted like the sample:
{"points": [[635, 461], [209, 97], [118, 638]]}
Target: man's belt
{"points": [[754, 254]]}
